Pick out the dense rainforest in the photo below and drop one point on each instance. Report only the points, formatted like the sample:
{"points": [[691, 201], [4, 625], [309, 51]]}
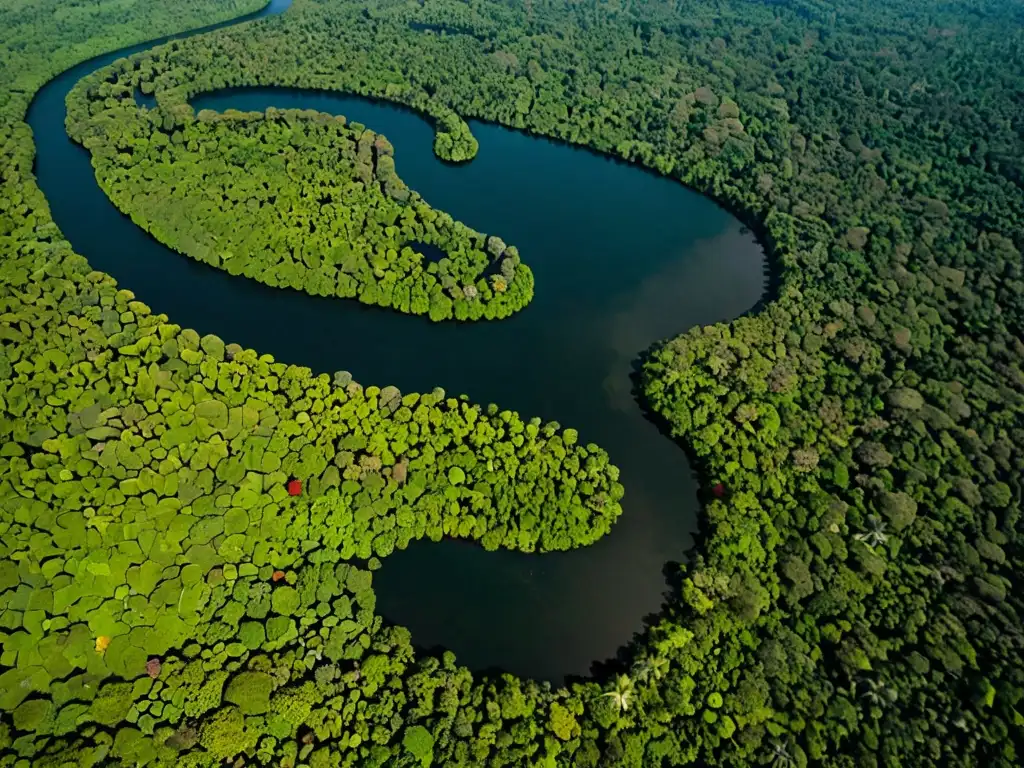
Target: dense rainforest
{"points": [[190, 529], [303, 201]]}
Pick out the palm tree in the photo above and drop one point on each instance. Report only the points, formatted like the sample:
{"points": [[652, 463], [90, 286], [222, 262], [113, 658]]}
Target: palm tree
{"points": [[875, 534], [649, 667], [780, 755], [877, 693], [659, 666], [622, 695]]}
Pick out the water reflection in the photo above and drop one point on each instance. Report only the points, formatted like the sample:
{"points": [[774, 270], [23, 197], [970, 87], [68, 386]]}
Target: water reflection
{"points": [[666, 302]]}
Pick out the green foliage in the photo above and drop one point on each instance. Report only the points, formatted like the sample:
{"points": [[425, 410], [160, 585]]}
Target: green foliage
{"points": [[224, 734], [285, 600], [856, 597], [250, 691], [32, 715], [294, 200], [112, 703], [454, 141], [562, 723], [251, 634], [420, 744]]}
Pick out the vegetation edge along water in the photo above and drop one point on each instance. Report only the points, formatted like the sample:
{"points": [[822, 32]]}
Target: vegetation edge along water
{"points": [[499, 610], [853, 602]]}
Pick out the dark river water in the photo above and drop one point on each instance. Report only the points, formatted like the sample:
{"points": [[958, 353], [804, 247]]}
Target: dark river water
{"points": [[622, 258]]}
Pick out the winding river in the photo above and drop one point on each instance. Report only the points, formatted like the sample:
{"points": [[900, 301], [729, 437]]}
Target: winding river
{"points": [[622, 258]]}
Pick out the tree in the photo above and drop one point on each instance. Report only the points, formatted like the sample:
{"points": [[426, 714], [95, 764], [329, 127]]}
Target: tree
{"points": [[420, 744], [562, 722], [899, 509], [650, 667], [622, 694], [224, 734], [873, 454], [780, 755], [250, 691], [875, 692], [875, 534]]}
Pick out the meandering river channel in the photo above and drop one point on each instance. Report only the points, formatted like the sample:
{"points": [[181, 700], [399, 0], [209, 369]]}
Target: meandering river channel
{"points": [[622, 258]]}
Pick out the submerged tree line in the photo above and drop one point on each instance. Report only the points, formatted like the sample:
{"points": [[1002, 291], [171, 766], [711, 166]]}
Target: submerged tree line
{"points": [[170, 596]]}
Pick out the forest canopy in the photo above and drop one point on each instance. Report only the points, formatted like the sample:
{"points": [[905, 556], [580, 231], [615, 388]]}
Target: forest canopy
{"points": [[855, 598], [294, 200]]}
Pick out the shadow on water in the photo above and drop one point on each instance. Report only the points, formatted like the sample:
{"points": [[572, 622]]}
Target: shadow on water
{"points": [[432, 254], [621, 257], [147, 100]]}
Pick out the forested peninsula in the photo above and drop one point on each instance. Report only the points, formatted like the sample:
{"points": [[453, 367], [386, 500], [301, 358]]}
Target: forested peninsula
{"points": [[294, 200], [190, 529]]}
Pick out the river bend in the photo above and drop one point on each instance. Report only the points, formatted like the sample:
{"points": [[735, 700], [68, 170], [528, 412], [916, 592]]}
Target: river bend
{"points": [[622, 258]]}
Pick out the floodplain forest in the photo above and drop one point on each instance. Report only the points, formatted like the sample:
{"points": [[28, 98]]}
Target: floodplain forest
{"points": [[189, 529]]}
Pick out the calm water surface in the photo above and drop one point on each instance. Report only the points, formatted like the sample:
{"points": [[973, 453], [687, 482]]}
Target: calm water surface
{"points": [[622, 258]]}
